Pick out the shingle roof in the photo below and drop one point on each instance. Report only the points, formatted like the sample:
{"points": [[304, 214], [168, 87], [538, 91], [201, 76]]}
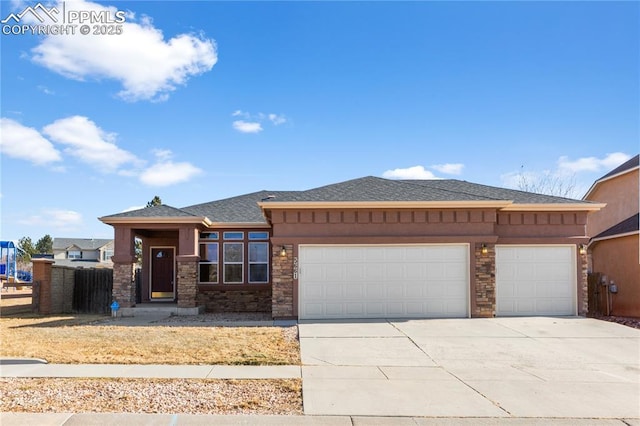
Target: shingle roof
{"points": [[378, 189], [240, 209], [245, 208], [154, 211], [630, 164], [626, 226], [81, 243]]}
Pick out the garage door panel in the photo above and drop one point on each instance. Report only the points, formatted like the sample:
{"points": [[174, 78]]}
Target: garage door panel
{"points": [[384, 281], [535, 280]]}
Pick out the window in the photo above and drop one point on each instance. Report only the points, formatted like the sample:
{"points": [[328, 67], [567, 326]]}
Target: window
{"points": [[258, 262], [258, 235], [106, 255], [233, 235], [233, 263], [208, 235], [74, 254], [208, 262]]}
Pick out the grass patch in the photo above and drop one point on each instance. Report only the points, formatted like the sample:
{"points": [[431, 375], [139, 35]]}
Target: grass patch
{"points": [[77, 339]]}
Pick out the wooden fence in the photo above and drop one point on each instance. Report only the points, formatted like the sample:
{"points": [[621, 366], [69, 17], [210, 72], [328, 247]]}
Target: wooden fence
{"points": [[92, 291]]}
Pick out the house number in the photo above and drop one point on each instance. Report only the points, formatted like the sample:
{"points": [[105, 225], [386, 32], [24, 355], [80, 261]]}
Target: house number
{"points": [[295, 268]]}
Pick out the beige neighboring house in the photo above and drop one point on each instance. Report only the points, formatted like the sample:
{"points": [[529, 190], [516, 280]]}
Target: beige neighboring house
{"points": [[615, 246], [83, 252]]}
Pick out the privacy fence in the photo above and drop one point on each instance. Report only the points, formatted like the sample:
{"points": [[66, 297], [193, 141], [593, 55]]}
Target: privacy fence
{"points": [[59, 289]]}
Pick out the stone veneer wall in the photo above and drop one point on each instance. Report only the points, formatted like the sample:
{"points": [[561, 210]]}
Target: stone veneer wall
{"points": [[583, 288], [258, 300], [187, 285], [485, 292], [124, 288], [282, 283]]}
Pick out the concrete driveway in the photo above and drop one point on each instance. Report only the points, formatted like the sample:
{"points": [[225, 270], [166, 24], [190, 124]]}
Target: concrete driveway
{"points": [[502, 367]]}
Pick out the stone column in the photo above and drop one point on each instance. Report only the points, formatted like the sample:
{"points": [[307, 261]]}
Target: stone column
{"points": [[124, 286], [282, 282], [42, 285], [583, 283], [124, 259], [485, 291], [187, 276]]}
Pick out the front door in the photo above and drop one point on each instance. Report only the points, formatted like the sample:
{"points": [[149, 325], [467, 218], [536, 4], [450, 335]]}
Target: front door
{"points": [[162, 273]]}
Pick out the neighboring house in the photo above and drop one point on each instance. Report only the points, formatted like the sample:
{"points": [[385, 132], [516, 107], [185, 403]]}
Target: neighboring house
{"points": [[365, 248], [83, 252], [614, 246]]}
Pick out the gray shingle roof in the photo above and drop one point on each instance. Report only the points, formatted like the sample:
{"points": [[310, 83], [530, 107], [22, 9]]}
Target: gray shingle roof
{"points": [[626, 226], [82, 243], [240, 209], [629, 164], [245, 209], [154, 211]]}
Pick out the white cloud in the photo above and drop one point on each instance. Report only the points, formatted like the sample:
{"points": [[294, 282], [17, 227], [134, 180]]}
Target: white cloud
{"points": [[277, 119], [132, 208], [26, 143], [89, 143], [55, 218], [148, 66], [165, 172], [592, 164], [247, 126], [252, 123], [46, 90], [415, 172], [449, 168]]}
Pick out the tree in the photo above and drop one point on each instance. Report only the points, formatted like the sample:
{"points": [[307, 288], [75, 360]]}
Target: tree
{"points": [[26, 249], [45, 245], [547, 183], [156, 201]]}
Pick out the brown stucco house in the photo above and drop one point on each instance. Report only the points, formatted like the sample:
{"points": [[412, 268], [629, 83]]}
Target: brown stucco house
{"points": [[364, 248], [614, 246]]}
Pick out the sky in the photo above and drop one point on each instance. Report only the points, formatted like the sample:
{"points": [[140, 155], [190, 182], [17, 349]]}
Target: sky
{"points": [[199, 101]]}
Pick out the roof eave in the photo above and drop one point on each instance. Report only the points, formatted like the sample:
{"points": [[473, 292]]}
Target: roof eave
{"points": [[287, 205], [555, 207], [220, 225], [612, 237], [201, 220]]}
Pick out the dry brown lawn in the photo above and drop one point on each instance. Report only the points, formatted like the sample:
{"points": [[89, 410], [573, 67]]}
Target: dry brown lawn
{"points": [[79, 339]]}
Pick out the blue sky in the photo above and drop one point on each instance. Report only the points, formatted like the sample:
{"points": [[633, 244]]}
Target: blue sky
{"points": [[197, 101]]}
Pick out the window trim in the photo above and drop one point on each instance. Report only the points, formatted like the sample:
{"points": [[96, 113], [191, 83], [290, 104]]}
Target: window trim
{"points": [[258, 238], [227, 236], [74, 251]]}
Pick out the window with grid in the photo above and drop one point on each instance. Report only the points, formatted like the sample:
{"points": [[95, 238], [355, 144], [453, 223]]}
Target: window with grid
{"points": [[233, 258]]}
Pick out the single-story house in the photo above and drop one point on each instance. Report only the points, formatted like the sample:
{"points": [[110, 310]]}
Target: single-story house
{"points": [[614, 249], [83, 252], [364, 248]]}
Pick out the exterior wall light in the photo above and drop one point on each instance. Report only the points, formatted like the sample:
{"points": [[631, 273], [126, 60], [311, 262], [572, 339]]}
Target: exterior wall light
{"points": [[582, 249], [484, 249], [283, 252]]}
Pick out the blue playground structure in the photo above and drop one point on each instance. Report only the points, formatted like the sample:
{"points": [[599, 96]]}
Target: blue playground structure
{"points": [[8, 271]]}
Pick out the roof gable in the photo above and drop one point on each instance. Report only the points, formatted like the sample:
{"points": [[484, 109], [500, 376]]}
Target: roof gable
{"points": [[80, 243], [626, 167]]}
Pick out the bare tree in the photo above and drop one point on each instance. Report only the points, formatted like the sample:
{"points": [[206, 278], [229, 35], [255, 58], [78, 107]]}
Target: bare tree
{"points": [[547, 183]]}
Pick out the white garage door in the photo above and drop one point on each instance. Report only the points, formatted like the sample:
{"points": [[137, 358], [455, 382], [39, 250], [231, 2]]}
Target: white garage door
{"points": [[535, 280], [398, 281]]}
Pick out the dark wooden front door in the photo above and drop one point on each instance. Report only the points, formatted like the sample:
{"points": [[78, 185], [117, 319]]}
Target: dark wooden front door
{"points": [[162, 274]]}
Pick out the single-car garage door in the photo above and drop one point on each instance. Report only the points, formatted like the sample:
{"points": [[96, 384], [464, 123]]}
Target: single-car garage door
{"points": [[383, 281], [535, 280]]}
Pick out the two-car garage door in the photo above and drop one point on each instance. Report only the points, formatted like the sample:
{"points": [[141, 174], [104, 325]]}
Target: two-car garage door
{"points": [[384, 281], [430, 281]]}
